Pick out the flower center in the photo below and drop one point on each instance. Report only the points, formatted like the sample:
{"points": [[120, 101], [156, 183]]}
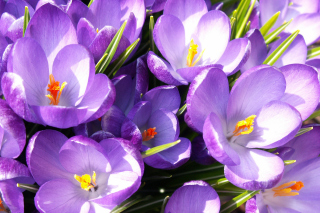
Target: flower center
{"points": [[244, 127], [54, 88], [287, 189], [2, 208], [87, 183], [149, 134], [191, 53]]}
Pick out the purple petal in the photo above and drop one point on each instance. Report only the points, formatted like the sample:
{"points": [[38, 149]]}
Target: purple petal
{"points": [[217, 143], [98, 98], [166, 97], [258, 50], [189, 12], [101, 135], [200, 153], [257, 169], [125, 90], [164, 71], [43, 156], [171, 158], [35, 75], [296, 52], [254, 89], [213, 33], [209, 92], [235, 55], [17, 8], [169, 36], [303, 89], [131, 132], [76, 10], [251, 206], [112, 121], [104, 13], [15, 31], [130, 29], [12, 196], [202, 196], [276, 123], [12, 169], [87, 129], [85, 32], [59, 195], [189, 73], [157, 5], [140, 113], [57, 33], [308, 24], [13, 125], [5, 22], [269, 7]]}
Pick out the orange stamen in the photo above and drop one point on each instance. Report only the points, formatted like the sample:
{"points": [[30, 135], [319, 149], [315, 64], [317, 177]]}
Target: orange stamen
{"points": [[54, 88], [287, 188], [149, 134], [244, 124], [2, 208]]}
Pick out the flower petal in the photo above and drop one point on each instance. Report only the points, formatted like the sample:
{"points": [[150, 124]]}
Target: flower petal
{"points": [[112, 120], [85, 32], [12, 195]]}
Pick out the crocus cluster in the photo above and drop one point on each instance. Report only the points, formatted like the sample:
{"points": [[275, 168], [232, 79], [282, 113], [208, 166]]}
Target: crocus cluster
{"points": [[159, 106]]}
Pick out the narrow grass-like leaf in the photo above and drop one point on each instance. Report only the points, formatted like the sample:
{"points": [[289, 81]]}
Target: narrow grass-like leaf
{"points": [[26, 19], [115, 66], [110, 51], [288, 162], [270, 37], [313, 52], [127, 204], [182, 109], [275, 55], [91, 1], [246, 29], [314, 115], [158, 149], [234, 23], [151, 27], [303, 130], [243, 22], [28, 187], [242, 10], [269, 24], [237, 201], [220, 182], [165, 201]]}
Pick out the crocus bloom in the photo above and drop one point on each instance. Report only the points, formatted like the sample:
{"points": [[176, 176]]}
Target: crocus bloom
{"points": [[298, 190], [194, 196], [192, 39], [103, 20], [12, 132], [81, 175], [306, 17], [155, 5], [12, 172], [254, 115], [64, 95]]}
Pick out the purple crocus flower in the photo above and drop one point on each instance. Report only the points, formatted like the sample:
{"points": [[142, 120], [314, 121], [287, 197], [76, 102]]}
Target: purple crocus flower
{"points": [[200, 153], [155, 5], [12, 172], [306, 17], [12, 132], [103, 20], [194, 196], [256, 114], [192, 39], [298, 190], [64, 95], [79, 174]]}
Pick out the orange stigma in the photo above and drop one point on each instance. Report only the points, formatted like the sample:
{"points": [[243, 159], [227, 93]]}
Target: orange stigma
{"points": [[2, 208], [241, 126], [149, 134], [286, 189], [54, 88], [86, 182], [193, 50]]}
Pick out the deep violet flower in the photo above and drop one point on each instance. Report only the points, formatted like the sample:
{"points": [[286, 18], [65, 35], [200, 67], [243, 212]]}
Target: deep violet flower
{"points": [[155, 5], [64, 95], [11, 173], [79, 174], [12, 132], [194, 196], [192, 39], [298, 190], [200, 153], [256, 114], [102, 21], [305, 14]]}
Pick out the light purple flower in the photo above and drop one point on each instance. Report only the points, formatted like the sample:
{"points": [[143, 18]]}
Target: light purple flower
{"points": [[194, 196], [11, 173], [64, 95], [192, 39], [12, 132], [155, 5], [254, 115], [79, 174], [298, 190], [102, 21], [306, 17]]}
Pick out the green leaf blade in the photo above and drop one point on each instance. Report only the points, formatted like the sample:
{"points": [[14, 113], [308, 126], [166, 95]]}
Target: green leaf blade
{"points": [[237, 201], [26, 19], [158, 149], [270, 37], [269, 24]]}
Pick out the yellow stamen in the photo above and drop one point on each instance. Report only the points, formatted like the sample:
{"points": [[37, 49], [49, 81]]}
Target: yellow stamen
{"points": [[191, 53], [244, 124], [286, 189], [86, 182], [149, 134], [54, 88], [97, 30]]}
